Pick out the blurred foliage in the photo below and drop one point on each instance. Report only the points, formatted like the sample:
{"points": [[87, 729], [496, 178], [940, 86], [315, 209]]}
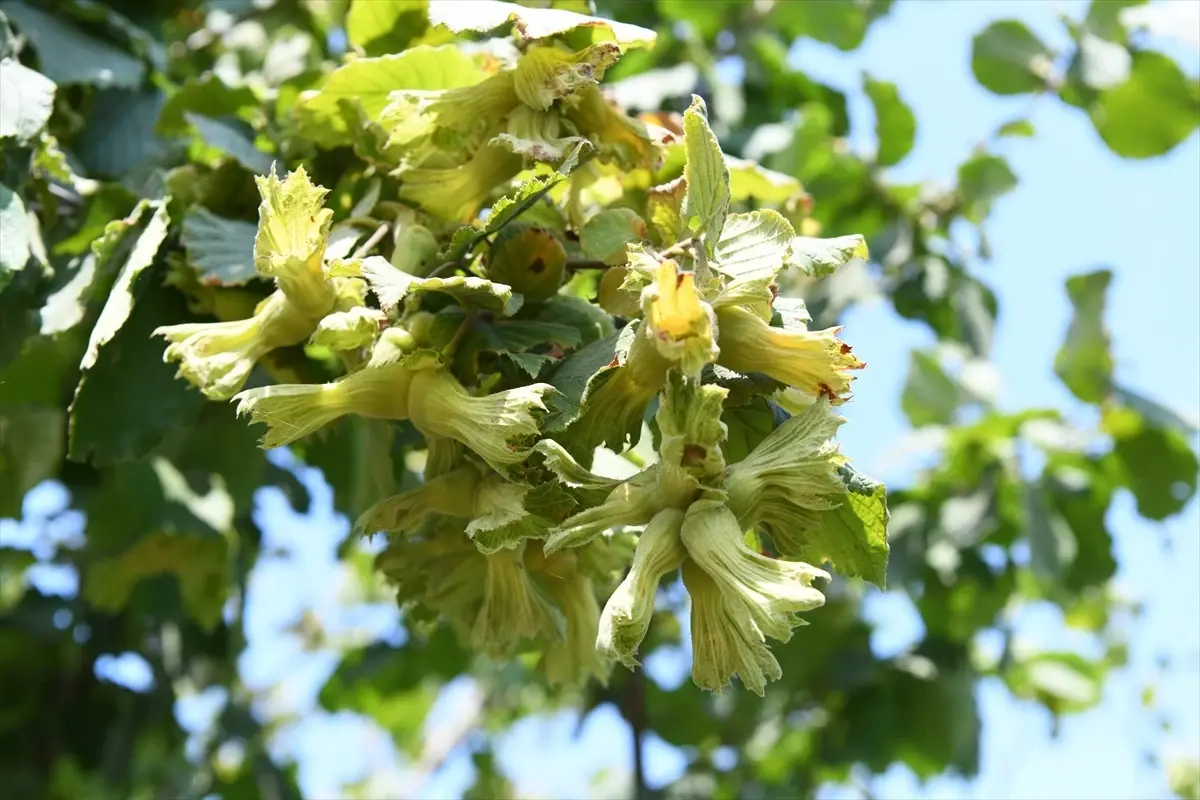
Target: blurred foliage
{"points": [[134, 121]]}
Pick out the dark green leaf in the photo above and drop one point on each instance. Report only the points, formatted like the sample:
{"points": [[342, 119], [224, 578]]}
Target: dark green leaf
{"points": [[1052, 545], [230, 141], [120, 136], [207, 96], [31, 447], [67, 55], [221, 250]]}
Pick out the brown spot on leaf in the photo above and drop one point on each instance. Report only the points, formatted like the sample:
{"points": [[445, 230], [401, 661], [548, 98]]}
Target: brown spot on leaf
{"points": [[845, 348], [694, 455], [616, 362], [826, 392]]}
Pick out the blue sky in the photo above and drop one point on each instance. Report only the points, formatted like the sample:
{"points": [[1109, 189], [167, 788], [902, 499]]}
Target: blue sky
{"points": [[1077, 208]]}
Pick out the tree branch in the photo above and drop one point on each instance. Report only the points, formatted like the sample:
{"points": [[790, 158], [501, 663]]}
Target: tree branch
{"points": [[635, 712]]}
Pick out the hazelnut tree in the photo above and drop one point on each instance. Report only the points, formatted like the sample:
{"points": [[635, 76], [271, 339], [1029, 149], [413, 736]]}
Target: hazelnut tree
{"points": [[419, 244]]}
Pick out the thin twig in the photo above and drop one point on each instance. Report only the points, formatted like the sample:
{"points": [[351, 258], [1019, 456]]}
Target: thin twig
{"points": [[440, 268], [635, 712], [585, 263], [370, 243]]}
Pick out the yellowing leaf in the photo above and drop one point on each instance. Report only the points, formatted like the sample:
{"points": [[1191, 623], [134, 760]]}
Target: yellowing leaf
{"points": [[482, 16], [749, 179], [369, 81], [753, 246], [820, 257]]}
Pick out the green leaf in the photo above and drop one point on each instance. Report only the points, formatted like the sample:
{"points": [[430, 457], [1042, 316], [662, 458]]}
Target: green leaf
{"points": [[1084, 362], [753, 246], [707, 18], [231, 142], [930, 395], [982, 179], [843, 25], [1017, 127], [206, 96], [221, 250], [120, 300], [14, 234], [520, 335], [707, 201], [375, 24], [517, 202], [1157, 413], [1052, 544], [1063, 682], [819, 257], [1152, 112], [67, 55], [1157, 464], [748, 425], [513, 339], [120, 134], [109, 202], [31, 448], [128, 401], [895, 124], [853, 536], [1079, 489], [572, 376], [605, 235], [369, 81], [1007, 58], [483, 16], [791, 314], [108, 421], [748, 179], [589, 321], [391, 286], [26, 100]]}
